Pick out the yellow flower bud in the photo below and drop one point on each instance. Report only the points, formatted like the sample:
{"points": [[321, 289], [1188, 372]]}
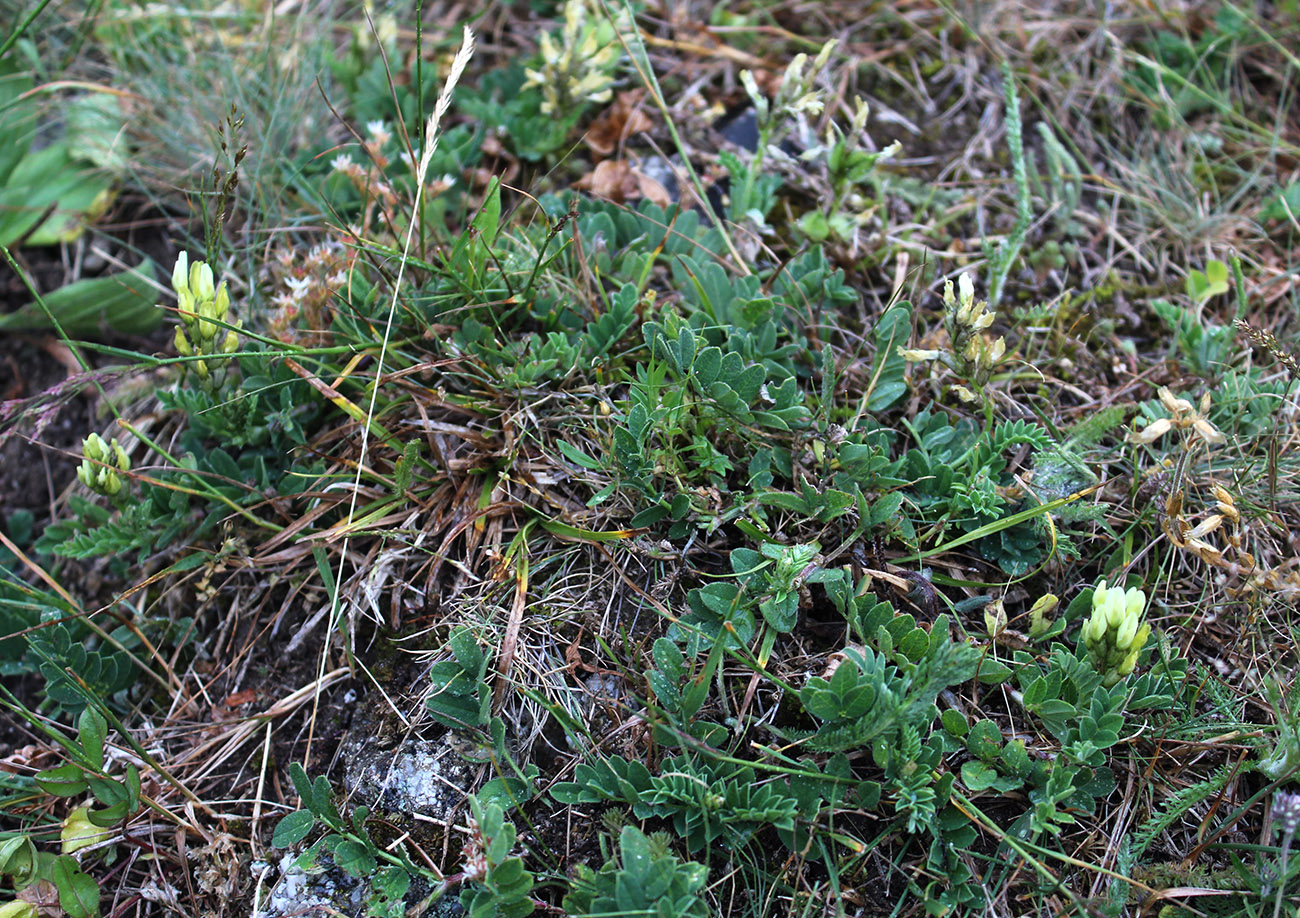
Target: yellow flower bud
{"points": [[1128, 664], [201, 284], [1125, 633], [181, 273], [1038, 613], [186, 306], [1115, 609], [1095, 629], [221, 303], [94, 447], [182, 343], [967, 288], [208, 313]]}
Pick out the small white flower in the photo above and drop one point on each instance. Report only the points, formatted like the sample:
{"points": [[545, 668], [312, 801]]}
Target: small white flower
{"points": [[342, 163], [378, 132], [297, 286], [317, 254]]}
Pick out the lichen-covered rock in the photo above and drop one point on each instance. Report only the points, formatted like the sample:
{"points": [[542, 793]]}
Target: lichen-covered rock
{"points": [[417, 776]]}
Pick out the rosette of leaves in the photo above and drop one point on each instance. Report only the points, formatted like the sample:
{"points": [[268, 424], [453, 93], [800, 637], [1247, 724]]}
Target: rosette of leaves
{"points": [[868, 699], [644, 880], [705, 800]]}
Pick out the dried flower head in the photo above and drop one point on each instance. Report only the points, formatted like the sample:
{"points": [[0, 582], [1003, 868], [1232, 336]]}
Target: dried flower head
{"points": [[1182, 416]]}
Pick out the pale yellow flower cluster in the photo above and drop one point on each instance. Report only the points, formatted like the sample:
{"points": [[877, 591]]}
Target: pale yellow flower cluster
{"points": [[795, 95], [579, 67], [1115, 633], [973, 354], [98, 470], [207, 330]]}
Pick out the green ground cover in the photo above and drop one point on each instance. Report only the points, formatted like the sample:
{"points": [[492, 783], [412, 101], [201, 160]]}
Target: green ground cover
{"points": [[740, 459]]}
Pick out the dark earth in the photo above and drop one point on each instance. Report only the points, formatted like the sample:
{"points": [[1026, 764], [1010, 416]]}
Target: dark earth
{"points": [[45, 410]]}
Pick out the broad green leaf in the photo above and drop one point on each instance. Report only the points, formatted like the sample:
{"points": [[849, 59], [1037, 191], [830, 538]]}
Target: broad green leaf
{"points": [[91, 731], [781, 611], [17, 117], [984, 740], [487, 221], [51, 178], [467, 651], [578, 457], [991, 672], [108, 791], [977, 776], [668, 657], [109, 816], [708, 364], [293, 828], [955, 722], [124, 303], [1285, 205], [78, 893], [17, 857], [301, 782], [66, 780], [891, 333], [354, 858], [392, 882], [93, 130]]}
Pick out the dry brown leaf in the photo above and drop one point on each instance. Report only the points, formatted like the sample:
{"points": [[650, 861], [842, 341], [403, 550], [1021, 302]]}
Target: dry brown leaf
{"points": [[241, 698], [616, 180], [620, 121]]}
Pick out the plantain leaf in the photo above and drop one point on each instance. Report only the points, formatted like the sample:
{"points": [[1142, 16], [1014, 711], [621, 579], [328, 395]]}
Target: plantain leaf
{"points": [[124, 303]]}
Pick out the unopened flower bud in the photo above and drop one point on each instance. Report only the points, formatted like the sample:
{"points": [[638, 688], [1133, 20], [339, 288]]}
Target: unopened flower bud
{"points": [[181, 273], [201, 284], [221, 303], [95, 448]]}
